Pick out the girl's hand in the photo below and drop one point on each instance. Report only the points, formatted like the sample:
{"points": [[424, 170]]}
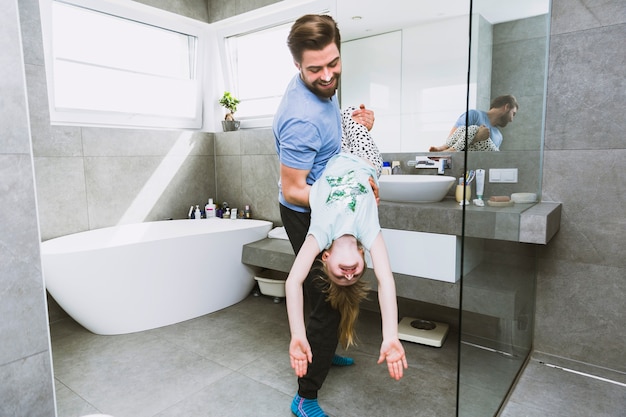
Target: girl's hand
{"points": [[300, 355], [393, 352]]}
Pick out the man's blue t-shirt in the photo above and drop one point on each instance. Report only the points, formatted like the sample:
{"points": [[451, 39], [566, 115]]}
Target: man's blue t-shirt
{"points": [[479, 117], [307, 130]]}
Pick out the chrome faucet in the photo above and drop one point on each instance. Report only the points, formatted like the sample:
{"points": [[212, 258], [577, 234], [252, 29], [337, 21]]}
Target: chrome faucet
{"points": [[440, 163]]}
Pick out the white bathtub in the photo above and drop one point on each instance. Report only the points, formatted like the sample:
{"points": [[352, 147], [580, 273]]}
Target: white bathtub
{"points": [[142, 276]]}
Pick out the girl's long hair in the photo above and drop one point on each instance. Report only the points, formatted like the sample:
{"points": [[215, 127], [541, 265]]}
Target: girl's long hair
{"points": [[346, 300]]}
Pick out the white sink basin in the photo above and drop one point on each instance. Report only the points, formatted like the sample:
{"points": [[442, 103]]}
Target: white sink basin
{"points": [[414, 188]]}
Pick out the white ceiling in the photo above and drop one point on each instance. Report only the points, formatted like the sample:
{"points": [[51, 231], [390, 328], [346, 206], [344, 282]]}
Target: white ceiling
{"points": [[379, 16]]}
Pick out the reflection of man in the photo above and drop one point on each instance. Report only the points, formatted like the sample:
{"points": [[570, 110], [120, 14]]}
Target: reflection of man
{"points": [[501, 112]]}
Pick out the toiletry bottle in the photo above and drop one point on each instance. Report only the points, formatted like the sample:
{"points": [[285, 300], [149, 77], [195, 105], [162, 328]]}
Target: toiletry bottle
{"points": [[480, 183], [233, 213], [247, 214], [198, 213], [226, 213], [386, 168], [209, 209]]}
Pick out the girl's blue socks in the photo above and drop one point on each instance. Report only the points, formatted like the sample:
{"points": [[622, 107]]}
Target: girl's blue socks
{"points": [[303, 407], [342, 361]]}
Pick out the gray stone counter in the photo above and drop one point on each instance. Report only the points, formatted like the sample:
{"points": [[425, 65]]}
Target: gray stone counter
{"points": [[527, 223]]}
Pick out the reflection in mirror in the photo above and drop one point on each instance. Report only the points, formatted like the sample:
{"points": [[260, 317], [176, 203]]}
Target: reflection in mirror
{"points": [[411, 66]]}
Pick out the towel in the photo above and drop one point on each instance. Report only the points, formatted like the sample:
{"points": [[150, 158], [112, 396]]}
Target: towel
{"points": [[278, 233]]}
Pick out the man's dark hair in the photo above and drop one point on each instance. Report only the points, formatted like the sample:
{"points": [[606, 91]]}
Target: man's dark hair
{"points": [[312, 32], [502, 100]]}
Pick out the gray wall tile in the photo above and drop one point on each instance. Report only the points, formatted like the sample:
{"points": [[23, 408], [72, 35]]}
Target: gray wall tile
{"points": [[195, 9], [579, 15], [580, 311], [25, 366], [519, 65], [586, 83], [581, 286], [30, 392], [61, 196]]}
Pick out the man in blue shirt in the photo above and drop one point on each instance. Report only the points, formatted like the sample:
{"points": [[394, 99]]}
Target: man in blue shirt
{"points": [[307, 128], [501, 112]]}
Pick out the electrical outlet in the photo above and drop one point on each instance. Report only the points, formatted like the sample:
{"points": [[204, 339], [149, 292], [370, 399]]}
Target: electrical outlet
{"points": [[508, 175]]}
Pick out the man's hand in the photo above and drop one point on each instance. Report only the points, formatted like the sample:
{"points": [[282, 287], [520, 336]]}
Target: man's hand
{"points": [[482, 134], [375, 190], [364, 116]]}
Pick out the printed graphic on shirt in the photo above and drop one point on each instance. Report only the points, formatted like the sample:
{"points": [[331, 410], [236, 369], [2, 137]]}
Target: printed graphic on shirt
{"points": [[345, 190]]}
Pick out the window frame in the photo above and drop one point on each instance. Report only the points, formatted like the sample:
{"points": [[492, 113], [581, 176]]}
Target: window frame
{"points": [[257, 20], [142, 14]]}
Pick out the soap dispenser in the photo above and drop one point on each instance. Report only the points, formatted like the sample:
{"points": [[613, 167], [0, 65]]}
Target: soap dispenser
{"points": [[198, 213], [209, 209]]}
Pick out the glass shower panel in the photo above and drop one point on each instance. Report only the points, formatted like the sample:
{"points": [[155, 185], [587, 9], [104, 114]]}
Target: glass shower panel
{"points": [[508, 56]]}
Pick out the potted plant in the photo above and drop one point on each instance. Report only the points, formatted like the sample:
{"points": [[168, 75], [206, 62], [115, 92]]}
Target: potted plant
{"points": [[229, 102]]}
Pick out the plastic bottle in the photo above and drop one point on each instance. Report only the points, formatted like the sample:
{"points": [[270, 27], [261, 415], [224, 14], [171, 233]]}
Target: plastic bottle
{"points": [[198, 213], [480, 183], [209, 209]]}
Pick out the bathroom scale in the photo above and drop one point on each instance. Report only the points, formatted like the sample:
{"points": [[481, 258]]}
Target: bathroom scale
{"points": [[425, 332]]}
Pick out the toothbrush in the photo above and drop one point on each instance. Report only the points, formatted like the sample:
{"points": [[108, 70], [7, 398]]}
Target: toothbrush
{"points": [[469, 176]]}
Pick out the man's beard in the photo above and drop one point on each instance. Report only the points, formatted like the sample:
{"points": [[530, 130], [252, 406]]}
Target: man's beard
{"points": [[324, 92], [503, 121]]}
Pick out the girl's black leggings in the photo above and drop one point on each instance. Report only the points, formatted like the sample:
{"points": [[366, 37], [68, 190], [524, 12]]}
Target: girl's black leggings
{"points": [[323, 321]]}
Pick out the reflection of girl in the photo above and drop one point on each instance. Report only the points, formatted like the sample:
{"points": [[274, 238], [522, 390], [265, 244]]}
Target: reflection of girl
{"points": [[456, 141], [344, 222]]}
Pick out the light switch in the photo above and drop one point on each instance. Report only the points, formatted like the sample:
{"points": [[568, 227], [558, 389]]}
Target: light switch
{"points": [[508, 175]]}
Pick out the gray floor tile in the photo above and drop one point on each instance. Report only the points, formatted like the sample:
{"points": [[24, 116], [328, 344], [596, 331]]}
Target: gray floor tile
{"points": [[131, 375], [234, 395], [547, 391], [69, 404], [235, 363]]}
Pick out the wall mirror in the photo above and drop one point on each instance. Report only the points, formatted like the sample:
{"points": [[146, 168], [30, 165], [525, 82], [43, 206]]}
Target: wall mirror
{"points": [[409, 64]]}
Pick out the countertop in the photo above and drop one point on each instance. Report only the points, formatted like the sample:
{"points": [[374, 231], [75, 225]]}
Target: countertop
{"points": [[528, 223]]}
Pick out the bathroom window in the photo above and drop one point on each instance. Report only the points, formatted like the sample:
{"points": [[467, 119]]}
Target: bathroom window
{"points": [[122, 64], [260, 66], [257, 63]]}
